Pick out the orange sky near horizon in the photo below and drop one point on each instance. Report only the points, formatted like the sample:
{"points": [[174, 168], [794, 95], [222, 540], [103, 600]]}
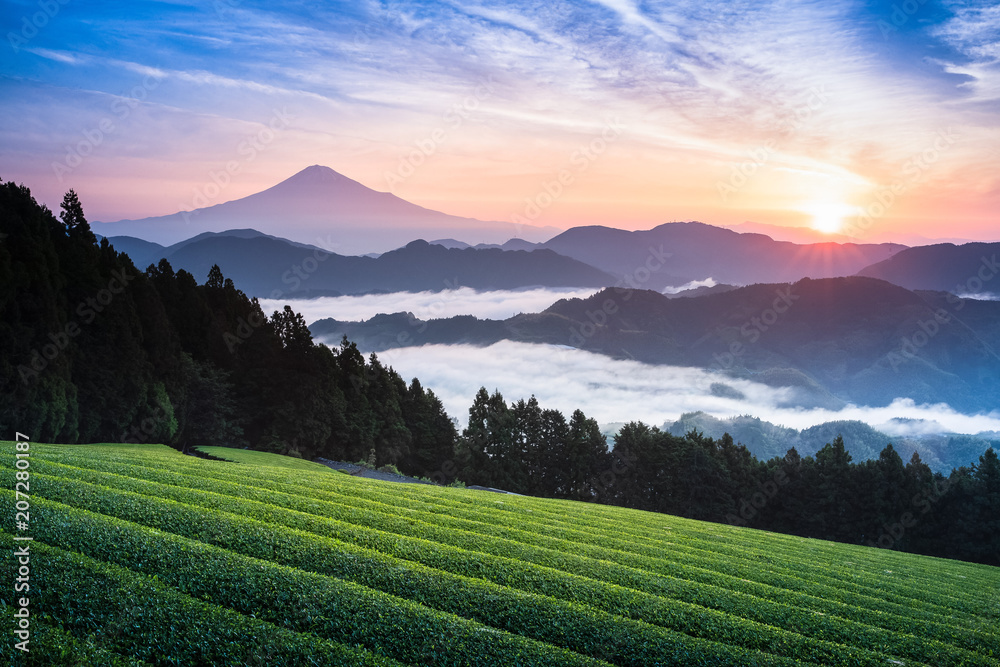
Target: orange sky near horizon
{"points": [[827, 116]]}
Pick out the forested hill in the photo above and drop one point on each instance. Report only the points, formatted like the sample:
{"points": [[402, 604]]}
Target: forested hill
{"points": [[96, 350]]}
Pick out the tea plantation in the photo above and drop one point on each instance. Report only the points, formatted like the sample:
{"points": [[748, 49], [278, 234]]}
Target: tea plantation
{"points": [[143, 556]]}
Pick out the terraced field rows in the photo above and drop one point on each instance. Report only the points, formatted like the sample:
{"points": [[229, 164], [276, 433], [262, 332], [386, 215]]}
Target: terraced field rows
{"points": [[322, 568]]}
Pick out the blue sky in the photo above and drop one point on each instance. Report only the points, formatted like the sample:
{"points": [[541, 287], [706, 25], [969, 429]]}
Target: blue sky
{"points": [[826, 107]]}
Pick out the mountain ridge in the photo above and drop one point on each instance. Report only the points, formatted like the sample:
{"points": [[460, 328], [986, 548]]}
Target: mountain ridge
{"points": [[265, 266], [832, 341], [676, 253], [967, 269]]}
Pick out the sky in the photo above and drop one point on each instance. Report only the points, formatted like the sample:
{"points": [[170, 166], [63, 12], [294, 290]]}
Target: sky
{"points": [[869, 118]]}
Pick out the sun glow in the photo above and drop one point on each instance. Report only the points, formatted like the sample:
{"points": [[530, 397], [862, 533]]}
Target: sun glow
{"points": [[828, 217]]}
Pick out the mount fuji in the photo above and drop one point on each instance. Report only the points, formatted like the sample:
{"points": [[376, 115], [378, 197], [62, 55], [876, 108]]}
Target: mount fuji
{"points": [[322, 207]]}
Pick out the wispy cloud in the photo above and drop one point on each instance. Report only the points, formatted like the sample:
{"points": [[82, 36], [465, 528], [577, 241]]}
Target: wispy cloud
{"points": [[58, 56], [974, 32], [697, 85]]}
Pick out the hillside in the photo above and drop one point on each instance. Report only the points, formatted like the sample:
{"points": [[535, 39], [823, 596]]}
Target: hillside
{"points": [[970, 269], [144, 556], [262, 266], [676, 253], [842, 339]]}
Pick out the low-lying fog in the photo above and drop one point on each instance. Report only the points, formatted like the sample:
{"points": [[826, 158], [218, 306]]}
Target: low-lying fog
{"points": [[494, 305], [612, 390], [606, 389]]}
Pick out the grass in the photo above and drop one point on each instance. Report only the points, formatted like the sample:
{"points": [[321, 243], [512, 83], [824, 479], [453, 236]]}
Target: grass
{"points": [[144, 556], [254, 458]]}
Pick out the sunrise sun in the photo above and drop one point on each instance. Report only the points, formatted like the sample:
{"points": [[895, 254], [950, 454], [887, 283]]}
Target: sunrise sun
{"points": [[828, 217]]}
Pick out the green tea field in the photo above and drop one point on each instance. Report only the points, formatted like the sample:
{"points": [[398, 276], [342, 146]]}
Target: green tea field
{"points": [[143, 556]]}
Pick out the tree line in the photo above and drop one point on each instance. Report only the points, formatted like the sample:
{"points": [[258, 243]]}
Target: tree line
{"points": [[879, 502], [95, 350]]}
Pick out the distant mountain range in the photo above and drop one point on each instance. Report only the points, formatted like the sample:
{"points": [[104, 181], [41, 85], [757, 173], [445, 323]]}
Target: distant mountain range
{"points": [[676, 253], [809, 235], [262, 264], [969, 269], [766, 440], [353, 219], [266, 266], [802, 235], [838, 340], [680, 252], [322, 207]]}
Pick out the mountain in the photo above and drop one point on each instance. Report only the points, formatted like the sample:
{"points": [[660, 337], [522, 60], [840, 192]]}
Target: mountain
{"points": [[969, 269], [141, 252], [321, 207], [831, 341], [267, 266], [802, 235], [809, 235], [144, 253], [766, 440], [680, 252]]}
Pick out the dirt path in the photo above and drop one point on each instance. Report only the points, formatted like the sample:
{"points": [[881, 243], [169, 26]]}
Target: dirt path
{"points": [[360, 471]]}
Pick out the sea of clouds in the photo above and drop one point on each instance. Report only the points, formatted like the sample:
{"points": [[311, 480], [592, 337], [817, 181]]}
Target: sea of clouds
{"points": [[609, 390], [617, 390], [493, 305]]}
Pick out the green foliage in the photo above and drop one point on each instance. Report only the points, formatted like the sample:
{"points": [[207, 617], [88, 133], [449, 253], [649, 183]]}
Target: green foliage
{"points": [[94, 349], [258, 459], [140, 617], [144, 554], [526, 449]]}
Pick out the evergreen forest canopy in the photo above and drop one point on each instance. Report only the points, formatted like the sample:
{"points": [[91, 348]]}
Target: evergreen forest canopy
{"points": [[96, 350]]}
